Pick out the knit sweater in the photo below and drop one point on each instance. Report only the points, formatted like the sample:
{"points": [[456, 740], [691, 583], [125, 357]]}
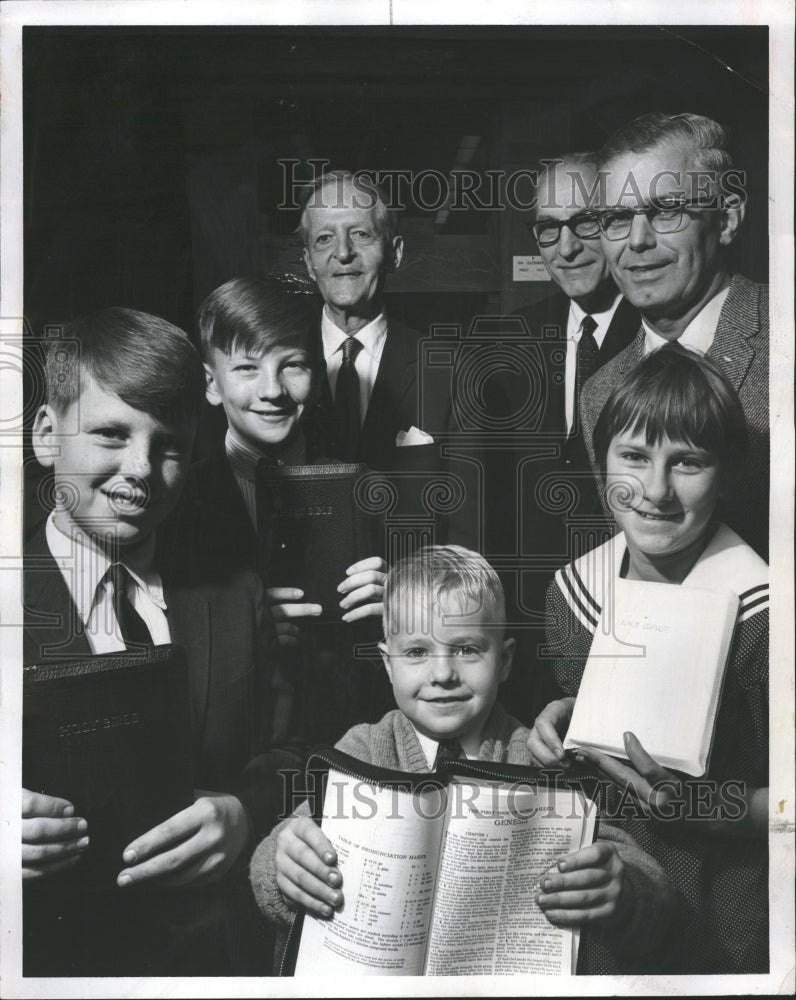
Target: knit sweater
{"points": [[393, 743], [720, 882]]}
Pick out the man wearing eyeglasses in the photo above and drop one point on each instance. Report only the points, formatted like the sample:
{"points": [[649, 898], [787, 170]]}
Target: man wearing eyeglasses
{"points": [[669, 213], [588, 312], [576, 330]]}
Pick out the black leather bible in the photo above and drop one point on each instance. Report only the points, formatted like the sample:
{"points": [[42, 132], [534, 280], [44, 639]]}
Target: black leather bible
{"points": [[112, 734], [311, 528]]}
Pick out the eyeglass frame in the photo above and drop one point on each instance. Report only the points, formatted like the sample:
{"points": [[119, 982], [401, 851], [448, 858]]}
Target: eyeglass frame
{"points": [[570, 224], [683, 206]]}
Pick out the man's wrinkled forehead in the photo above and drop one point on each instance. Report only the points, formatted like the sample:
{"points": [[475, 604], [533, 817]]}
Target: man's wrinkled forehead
{"points": [[671, 167], [565, 189], [342, 194]]}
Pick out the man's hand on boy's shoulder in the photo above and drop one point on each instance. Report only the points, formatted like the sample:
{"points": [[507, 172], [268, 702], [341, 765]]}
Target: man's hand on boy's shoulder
{"points": [[53, 838], [196, 846]]}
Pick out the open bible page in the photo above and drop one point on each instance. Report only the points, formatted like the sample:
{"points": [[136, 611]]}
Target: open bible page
{"points": [[498, 843], [387, 844]]}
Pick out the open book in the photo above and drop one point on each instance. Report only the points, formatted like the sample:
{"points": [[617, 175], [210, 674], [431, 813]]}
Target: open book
{"points": [[656, 669], [440, 871]]}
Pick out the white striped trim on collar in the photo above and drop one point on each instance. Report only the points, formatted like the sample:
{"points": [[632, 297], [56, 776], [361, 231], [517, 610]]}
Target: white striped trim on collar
{"points": [[727, 563]]}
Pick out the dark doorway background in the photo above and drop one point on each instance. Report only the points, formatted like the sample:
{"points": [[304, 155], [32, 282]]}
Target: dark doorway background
{"points": [[151, 154]]}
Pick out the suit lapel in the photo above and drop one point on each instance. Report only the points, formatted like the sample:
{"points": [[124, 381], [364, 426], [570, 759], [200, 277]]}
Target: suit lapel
{"points": [[739, 323], [397, 374], [634, 355], [620, 333], [556, 419], [53, 629], [326, 392]]}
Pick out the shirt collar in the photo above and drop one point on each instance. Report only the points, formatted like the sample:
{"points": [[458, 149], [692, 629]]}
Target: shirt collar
{"points": [[699, 334], [244, 459], [371, 336], [471, 745], [602, 319], [84, 564]]}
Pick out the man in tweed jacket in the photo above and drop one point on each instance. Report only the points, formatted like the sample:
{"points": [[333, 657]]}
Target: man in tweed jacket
{"points": [[667, 256]]}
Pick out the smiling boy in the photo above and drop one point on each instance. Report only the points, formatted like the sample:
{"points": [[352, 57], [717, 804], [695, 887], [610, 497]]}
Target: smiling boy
{"points": [[123, 395], [446, 654]]}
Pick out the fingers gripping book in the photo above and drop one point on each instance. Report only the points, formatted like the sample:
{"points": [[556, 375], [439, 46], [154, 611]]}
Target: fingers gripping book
{"points": [[440, 871]]}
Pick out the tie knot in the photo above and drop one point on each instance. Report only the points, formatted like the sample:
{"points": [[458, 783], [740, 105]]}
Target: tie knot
{"points": [[448, 750], [118, 576], [351, 347], [588, 326]]}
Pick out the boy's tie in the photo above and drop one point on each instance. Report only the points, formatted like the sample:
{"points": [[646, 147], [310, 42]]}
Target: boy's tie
{"points": [[132, 626], [586, 364], [346, 399], [448, 750]]}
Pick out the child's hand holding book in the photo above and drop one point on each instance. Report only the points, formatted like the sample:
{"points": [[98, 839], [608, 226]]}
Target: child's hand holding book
{"points": [[306, 871], [550, 725]]}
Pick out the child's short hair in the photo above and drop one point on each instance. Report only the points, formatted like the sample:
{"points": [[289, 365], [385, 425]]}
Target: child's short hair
{"points": [[256, 314], [678, 394], [436, 573], [147, 362]]}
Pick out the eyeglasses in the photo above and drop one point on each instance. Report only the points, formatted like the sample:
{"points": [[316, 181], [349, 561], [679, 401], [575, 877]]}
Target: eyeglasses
{"points": [[663, 216], [584, 225]]}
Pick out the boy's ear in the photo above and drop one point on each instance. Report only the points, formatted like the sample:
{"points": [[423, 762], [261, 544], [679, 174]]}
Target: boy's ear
{"points": [[211, 389], [507, 658], [385, 659], [45, 428]]}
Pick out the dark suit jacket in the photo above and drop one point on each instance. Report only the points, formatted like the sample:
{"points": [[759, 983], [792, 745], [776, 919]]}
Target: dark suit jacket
{"points": [[740, 349], [225, 627], [541, 497], [395, 404], [400, 400], [551, 314]]}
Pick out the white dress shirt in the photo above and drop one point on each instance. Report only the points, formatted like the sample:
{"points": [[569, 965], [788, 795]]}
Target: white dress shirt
{"points": [[699, 334], [574, 332], [83, 566], [372, 337]]}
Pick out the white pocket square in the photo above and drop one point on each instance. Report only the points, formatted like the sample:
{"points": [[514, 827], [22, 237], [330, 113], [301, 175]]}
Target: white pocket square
{"points": [[413, 436]]}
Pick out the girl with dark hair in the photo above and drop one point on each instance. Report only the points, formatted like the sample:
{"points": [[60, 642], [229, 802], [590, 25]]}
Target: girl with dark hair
{"points": [[669, 441]]}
